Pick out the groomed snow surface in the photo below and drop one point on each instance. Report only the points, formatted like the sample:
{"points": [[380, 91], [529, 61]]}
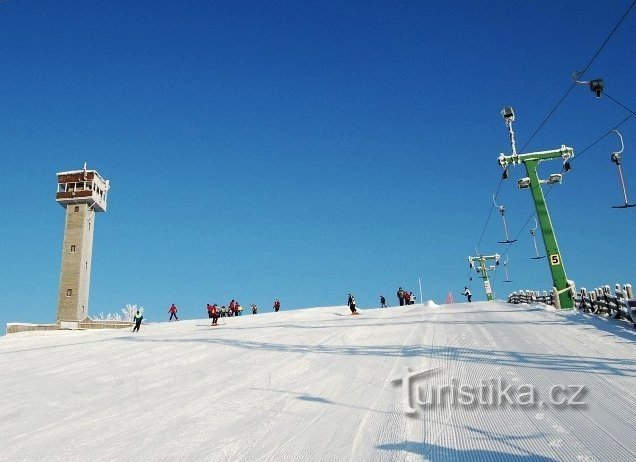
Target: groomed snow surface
{"points": [[318, 385]]}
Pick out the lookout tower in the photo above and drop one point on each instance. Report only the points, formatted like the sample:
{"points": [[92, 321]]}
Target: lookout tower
{"points": [[81, 193]]}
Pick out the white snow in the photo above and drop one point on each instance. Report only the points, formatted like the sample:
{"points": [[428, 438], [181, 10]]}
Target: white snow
{"points": [[315, 385]]}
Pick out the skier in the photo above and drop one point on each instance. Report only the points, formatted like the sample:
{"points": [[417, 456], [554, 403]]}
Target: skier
{"points": [[210, 311], [352, 304], [223, 311], [173, 312], [254, 308], [214, 313], [239, 310], [407, 298], [400, 296], [276, 305], [137, 318], [466, 293], [382, 301]]}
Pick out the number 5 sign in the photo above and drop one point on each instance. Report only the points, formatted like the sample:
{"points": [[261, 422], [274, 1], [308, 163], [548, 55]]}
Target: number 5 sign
{"points": [[555, 259]]}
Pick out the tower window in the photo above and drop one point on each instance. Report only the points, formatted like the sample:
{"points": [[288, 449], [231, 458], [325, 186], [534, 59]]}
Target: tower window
{"points": [[72, 248], [76, 208], [69, 292]]}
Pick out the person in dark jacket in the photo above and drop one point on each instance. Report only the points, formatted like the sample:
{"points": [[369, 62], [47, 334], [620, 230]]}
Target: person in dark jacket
{"points": [[137, 318], [400, 296], [352, 304], [382, 301]]}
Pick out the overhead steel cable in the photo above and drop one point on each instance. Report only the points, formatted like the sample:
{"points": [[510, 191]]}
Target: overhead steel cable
{"points": [[565, 95], [578, 156], [580, 74]]}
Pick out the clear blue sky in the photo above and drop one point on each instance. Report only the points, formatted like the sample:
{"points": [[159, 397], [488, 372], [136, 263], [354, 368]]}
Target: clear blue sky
{"points": [[303, 150]]}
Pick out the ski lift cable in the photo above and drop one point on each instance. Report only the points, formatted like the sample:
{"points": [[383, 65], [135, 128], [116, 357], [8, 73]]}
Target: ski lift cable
{"points": [[580, 74], [549, 189], [483, 231], [632, 112]]}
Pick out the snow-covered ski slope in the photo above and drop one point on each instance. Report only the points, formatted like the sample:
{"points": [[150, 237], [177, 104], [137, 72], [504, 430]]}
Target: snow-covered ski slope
{"points": [[316, 385]]}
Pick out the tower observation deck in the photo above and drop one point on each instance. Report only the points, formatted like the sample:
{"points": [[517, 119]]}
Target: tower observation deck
{"points": [[82, 193]]}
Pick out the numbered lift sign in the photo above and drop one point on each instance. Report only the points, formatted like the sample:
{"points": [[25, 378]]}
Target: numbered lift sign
{"points": [[555, 259]]}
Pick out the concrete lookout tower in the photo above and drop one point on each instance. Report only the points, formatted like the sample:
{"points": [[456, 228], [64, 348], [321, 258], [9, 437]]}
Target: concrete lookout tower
{"points": [[81, 193]]}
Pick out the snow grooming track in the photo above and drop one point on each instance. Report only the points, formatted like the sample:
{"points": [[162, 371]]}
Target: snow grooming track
{"points": [[316, 385]]}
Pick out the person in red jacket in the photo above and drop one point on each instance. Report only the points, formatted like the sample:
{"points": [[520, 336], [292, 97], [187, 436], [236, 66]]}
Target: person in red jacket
{"points": [[232, 308], [407, 298], [214, 314], [173, 312], [210, 311]]}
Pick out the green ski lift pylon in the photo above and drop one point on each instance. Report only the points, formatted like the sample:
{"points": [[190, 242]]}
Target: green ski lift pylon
{"points": [[502, 211], [533, 232], [482, 269], [616, 158], [506, 270], [563, 288]]}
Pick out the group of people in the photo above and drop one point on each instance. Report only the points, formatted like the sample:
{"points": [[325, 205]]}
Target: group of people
{"points": [[214, 312], [404, 297]]}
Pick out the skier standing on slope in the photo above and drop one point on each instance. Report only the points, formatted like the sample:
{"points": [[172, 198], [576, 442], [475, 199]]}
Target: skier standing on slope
{"points": [[276, 305], [173, 312], [254, 308], [466, 293], [214, 313], [382, 301], [400, 296], [352, 304], [137, 318], [407, 297]]}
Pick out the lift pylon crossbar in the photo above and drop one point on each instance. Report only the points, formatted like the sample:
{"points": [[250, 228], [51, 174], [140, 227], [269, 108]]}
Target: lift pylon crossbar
{"points": [[531, 161], [483, 270]]}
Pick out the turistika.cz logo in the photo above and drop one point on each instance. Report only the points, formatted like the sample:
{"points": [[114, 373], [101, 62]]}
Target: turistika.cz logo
{"points": [[492, 392]]}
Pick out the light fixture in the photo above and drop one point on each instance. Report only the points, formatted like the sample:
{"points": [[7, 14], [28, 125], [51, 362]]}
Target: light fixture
{"points": [[524, 182], [597, 86]]}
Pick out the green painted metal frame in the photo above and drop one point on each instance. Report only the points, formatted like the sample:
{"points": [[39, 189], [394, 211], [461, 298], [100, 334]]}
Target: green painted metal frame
{"points": [[531, 160]]}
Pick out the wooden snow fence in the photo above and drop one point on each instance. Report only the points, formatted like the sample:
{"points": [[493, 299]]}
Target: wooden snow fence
{"points": [[621, 304]]}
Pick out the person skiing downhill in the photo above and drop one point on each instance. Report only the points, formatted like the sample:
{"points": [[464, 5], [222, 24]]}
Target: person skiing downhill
{"points": [[137, 318], [173, 312], [467, 293]]}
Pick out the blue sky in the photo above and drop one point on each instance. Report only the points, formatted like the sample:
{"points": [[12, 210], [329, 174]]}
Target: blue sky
{"points": [[302, 150]]}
